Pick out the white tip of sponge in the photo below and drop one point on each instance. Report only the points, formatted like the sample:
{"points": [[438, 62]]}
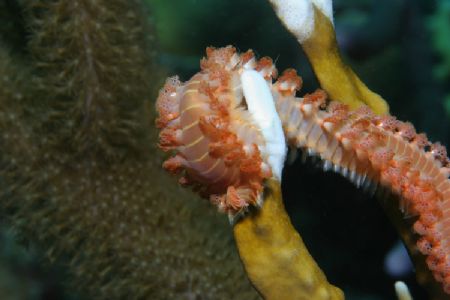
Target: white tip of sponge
{"points": [[298, 15], [326, 7]]}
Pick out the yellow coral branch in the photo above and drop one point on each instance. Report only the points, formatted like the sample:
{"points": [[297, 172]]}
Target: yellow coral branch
{"points": [[311, 22], [275, 257], [335, 77]]}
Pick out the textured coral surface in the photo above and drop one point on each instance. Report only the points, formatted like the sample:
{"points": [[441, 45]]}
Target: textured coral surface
{"points": [[78, 171]]}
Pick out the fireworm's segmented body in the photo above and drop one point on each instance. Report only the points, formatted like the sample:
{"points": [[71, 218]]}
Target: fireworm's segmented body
{"points": [[224, 149], [376, 151], [368, 149]]}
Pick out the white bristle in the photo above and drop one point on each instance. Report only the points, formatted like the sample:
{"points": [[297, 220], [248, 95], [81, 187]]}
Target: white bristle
{"points": [[327, 165], [344, 172], [362, 180], [251, 64], [346, 143], [307, 109], [284, 86], [336, 168], [353, 176], [311, 152], [328, 126], [234, 60], [259, 201]]}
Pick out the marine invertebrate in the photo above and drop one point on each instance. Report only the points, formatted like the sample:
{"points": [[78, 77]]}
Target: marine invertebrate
{"points": [[225, 128], [225, 132], [370, 150], [343, 85], [311, 23], [377, 151], [68, 210]]}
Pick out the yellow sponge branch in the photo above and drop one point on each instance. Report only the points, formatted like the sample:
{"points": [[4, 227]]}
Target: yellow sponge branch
{"points": [[275, 257], [334, 76]]}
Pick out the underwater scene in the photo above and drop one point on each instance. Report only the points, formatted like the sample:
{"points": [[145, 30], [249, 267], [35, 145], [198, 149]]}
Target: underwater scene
{"points": [[224, 149]]}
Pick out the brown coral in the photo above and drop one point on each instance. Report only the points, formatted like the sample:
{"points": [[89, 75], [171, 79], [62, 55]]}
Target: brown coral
{"points": [[78, 170]]}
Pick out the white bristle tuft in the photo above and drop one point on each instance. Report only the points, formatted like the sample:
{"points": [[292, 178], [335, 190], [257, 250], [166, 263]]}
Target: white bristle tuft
{"points": [[311, 152], [234, 60], [362, 180], [259, 201], [352, 176], [336, 168], [358, 180], [327, 165], [344, 172], [307, 109], [251, 64], [346, 143], [284, 86], [328, 126]]}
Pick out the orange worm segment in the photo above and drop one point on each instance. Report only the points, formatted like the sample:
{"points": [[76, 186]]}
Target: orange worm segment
{"points": [[225, 155], [374, 151], [222, 147]]}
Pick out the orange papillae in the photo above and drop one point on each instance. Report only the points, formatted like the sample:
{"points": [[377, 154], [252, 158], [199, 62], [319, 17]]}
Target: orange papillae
{"points": [[318, 97], [373, 150], [205, 122], [291, 82], [266, 68]]}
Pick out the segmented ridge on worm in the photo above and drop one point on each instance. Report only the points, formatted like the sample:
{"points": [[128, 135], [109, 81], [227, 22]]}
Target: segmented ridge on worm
{"points": [[217, 145], [205, 121], [376, 150]]}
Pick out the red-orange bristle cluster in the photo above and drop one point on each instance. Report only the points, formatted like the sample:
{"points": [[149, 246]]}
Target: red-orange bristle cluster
{"points": [[217, 147], [247, 56], [198, 120], [167, 105], [379, 150], [318, 97], [266, 68]]}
